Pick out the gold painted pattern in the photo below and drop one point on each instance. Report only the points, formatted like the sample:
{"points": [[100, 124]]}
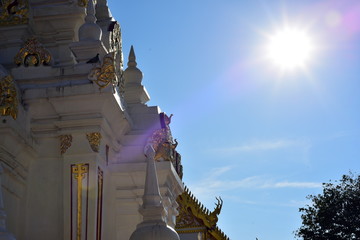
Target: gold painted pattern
{"points": [[79, 171], [65, 143], [105, 74], [8, 97], [94, 139], [13, 12], [99, 204], [32, 54]]}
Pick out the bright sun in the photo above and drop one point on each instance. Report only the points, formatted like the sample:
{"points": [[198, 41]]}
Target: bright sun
{"points": [[290, 49]]}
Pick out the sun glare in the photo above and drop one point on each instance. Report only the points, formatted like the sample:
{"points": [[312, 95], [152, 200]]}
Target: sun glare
{"points": [[290, 49]]}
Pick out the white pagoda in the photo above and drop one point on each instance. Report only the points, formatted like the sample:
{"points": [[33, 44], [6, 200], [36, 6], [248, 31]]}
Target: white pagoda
{"points": [[82, 157]]}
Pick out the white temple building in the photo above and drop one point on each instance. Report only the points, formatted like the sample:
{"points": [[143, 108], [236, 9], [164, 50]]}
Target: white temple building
{"points": [[82, 157]]}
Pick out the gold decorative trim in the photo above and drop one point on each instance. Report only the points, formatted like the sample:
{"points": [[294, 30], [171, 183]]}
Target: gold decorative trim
{"points": [[8, 97], [32, 54], [99, 203], [79, 171], [105, 74], [94, 139], [65, 143], [13, 12]]}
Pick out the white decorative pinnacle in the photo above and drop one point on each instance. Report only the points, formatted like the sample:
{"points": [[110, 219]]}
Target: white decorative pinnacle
{"points": [[90, 12], [132, 74], [90, 31], [152, 197], [132, 58], [153, 226]]}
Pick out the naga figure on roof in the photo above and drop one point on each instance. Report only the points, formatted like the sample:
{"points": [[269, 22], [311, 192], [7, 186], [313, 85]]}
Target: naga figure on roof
{"points": [[213, 216], [165, 151], [162, 140]]}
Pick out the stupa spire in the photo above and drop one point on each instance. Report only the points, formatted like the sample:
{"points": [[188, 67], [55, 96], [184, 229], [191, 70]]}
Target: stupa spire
{"points": [[90, 12], [90, 30], [132, 74], [153, 226], [132, 58], [152, 197]]}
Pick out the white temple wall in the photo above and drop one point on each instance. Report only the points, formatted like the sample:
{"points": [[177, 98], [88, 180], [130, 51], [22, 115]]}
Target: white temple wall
{"points": [[72, 140]]}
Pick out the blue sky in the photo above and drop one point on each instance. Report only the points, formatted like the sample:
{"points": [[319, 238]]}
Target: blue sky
{"points": [[260, 139]]}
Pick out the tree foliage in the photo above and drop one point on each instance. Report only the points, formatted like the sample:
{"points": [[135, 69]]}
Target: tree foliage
{"points": [[335, 213]]}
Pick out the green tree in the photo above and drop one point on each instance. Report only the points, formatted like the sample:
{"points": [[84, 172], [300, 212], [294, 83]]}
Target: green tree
{"points": [[335, 213]]}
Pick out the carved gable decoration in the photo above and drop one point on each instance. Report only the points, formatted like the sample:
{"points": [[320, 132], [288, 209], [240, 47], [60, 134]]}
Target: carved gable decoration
{"points": [[194, 217], [13, 12], [8, 97], [32, 54]]}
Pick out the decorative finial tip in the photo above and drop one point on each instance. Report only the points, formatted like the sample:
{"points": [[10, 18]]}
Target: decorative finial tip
{"points": [[90, 12], [132, 57]]}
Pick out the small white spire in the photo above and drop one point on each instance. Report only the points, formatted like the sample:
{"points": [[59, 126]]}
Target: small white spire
{"points": [[132, 58], [153, 227], [90, 12], [152, 197], [132, 74]]}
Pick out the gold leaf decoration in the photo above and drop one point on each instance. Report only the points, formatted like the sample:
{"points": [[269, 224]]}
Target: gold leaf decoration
{"points": [[83, 3], [13, 12], [94, 139], [32, 54], [65, 143], [8, 97], [105, 74]]}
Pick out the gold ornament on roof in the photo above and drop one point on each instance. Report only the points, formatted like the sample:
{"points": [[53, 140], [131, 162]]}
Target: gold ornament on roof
{"points": [[83, 3], [188, 201], [162, 141], [8, 97], [193, 215], [13, 12], [32, 54], [105, 74], [65, 143], [165, 151], [94, 139]]}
